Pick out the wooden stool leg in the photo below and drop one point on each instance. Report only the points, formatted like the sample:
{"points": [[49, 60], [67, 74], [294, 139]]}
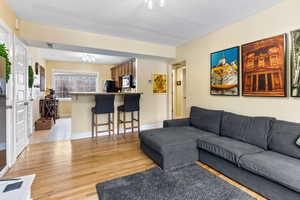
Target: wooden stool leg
{"points": [[132, 118], [118, 123], [139, 123], [113, 122], [109, 124], [124, 122], [96, 126], [93, 131]]}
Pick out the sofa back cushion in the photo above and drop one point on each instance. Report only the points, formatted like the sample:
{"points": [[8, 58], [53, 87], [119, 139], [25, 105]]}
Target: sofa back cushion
{"points": [[283, 138], [207, 120], [252, 130]]}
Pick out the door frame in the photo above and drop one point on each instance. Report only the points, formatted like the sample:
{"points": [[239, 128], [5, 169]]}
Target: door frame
{"points": [[184, 88], [9, 104], [29, 97], [174, 67]]}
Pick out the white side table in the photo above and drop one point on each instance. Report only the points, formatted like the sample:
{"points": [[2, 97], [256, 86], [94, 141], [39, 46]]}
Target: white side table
{"points": [[23, 193]]}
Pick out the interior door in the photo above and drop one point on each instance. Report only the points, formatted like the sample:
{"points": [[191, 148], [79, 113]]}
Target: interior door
{"points": [[179, 91], [21, 105]]}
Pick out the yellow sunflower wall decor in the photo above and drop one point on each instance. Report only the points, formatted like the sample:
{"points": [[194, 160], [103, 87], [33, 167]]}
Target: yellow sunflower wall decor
{"points": [[159, 82]]}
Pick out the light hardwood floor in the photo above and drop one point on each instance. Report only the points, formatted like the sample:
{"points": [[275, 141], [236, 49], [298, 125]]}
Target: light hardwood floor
{"points": [[69, 170]]}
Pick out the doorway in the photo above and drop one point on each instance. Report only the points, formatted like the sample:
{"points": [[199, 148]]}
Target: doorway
{"points": [[179, 103]]}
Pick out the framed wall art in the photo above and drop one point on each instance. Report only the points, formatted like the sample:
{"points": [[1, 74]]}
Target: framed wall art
{"points": [[224, 72], [264, 67], [159, 82], [295, 63]]}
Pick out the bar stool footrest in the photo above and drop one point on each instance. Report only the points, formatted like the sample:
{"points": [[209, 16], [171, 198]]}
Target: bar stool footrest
{"points": [[131, 127], [104, 131]]}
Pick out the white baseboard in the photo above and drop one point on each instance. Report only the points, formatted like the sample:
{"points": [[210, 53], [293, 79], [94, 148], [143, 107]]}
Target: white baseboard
{"points": [[89, 134]]}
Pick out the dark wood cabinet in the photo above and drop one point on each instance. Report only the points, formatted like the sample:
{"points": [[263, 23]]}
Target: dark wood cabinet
{"points": [[49, 109], [126, 68]]}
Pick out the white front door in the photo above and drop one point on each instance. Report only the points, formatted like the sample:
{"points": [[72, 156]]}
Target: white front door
{"points": [[21, 104]]}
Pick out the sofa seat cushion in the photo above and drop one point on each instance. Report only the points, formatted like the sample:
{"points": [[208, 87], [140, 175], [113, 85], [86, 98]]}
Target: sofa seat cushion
{"points": [[171, 139], [207, 120], [253, 130], [277, 167], [227, 148]]}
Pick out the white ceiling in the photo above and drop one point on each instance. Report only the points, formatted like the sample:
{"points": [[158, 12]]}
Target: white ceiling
{"points": [[178, 22], [71, 56]]}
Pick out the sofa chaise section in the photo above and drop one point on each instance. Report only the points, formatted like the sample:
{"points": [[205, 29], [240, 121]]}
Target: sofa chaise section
{"points": [[172, 147], [175, 145]]}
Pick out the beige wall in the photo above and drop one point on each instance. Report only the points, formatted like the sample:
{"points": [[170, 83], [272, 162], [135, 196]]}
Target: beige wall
{"points": [[277, 20], [8, 15], [65, 107], [153, 106]]}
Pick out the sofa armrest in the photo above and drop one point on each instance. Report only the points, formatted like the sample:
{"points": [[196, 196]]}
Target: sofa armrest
{"points": [[177, 122]]}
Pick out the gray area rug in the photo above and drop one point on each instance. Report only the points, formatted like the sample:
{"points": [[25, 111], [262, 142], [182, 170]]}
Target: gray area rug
{"points": [[188, 183]]}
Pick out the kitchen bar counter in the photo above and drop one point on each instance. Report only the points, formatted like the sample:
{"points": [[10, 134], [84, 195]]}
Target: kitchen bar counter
{"points": [[94, 93], [76, 94], [82, 104]]}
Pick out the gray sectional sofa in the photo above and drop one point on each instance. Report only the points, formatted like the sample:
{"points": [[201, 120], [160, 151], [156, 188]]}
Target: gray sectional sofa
{"points": [[261, 153]]}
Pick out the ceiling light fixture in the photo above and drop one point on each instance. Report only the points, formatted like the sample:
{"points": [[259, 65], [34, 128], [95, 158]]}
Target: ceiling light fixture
{"points": [[88, 58], [151, 3]]}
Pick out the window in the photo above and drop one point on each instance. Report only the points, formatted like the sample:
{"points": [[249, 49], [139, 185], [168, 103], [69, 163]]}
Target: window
{"points": [[66, 82]]}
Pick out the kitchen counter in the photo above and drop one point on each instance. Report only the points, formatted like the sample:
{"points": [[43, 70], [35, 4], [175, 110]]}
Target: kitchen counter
{"points": [[94, 93], [76, 94], [82, 104]]}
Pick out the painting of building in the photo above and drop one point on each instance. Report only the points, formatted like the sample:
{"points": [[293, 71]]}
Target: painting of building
{"points": [[295, 63], [264, 67], [225, 72]]}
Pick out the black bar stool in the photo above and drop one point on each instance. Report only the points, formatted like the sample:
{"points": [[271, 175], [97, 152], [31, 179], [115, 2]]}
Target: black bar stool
{"points": [[104, 105], [131, 104]]}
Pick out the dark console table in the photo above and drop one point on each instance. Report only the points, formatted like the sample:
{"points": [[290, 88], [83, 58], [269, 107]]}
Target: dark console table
{"points": [[49, 109]]}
